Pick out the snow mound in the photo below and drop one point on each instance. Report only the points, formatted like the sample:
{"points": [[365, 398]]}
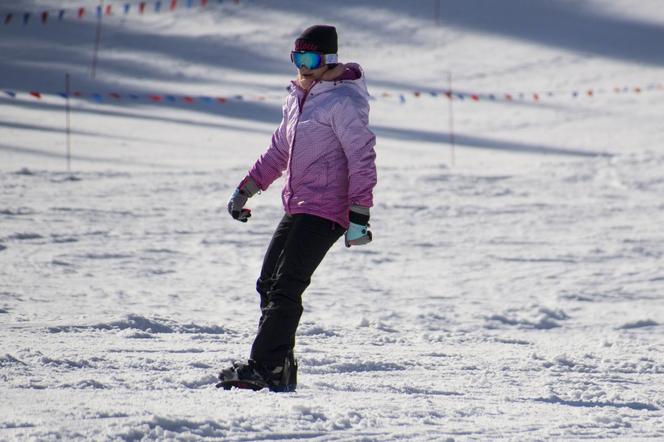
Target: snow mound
{"points": [[8, 361], [554, 399], [638, 324], [540, 318], [140, 323]]}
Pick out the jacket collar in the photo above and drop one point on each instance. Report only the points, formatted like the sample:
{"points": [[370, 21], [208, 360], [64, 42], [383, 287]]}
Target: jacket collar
{"points": [[318, 88]]}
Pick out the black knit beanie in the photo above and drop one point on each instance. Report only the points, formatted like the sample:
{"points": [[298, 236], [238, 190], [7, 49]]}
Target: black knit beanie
{"points": [[319, 38]]}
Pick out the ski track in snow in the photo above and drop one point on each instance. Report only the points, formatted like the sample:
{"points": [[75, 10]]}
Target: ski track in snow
{"points": [[516, 295]]}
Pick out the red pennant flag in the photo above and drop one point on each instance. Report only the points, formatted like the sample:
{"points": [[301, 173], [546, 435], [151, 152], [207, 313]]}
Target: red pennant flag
{"points": [[188, 100], [475, 97], [115, 95], [44, 17], [508, 97], [204, 3], [8, 18], [536, 97], [417, 94], [108, 9], [36, 94], [590, 93], [141, 7], [221, 100], [174, 4], [155, 97], [81, 12], [448, 94], [637, 90]]}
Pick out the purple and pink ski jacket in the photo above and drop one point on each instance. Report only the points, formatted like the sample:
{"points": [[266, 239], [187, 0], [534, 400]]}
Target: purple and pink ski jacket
{"points": [[326, 148]]}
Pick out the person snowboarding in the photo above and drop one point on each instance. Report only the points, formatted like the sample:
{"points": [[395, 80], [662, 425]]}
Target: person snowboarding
{"points": [[327, 151]]}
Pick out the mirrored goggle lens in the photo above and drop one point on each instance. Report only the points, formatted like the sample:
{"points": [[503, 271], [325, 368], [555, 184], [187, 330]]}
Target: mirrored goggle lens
{"points": [[310, 60]]}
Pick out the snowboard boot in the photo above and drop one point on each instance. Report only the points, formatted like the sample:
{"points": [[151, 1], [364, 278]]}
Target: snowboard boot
{"points": [[291, 364], [255, 376]]}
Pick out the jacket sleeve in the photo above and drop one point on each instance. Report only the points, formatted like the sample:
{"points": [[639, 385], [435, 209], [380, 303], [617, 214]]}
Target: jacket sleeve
{"points": [[272, 164], [350, 122]]}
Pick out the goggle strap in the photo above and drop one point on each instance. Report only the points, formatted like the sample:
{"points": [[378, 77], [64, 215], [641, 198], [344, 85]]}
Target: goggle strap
{"points": [[331, 59]]}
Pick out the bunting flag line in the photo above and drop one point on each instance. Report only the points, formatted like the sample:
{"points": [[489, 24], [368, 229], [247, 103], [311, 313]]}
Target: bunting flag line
{"points": [[110, 9], [111, 97], [402, 97], [535, 97]]}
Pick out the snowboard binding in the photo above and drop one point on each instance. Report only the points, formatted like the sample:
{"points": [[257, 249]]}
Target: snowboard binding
{"points": [[252, 375]]}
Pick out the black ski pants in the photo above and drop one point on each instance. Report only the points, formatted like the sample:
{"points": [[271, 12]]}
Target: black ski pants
{"points": [[298, 246]]}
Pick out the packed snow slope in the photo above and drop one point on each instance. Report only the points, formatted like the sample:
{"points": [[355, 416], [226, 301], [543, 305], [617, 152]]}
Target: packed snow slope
{"points": [[515, 286]]}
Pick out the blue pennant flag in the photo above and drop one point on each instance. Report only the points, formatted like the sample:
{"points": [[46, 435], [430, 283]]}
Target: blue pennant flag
{"points": [[171, 98], [207, 100], [157, 6], [99, 12], [61, 15], [127, 6], [26, 18], [134, 97], [190, 3], [97, 97], [63, 94], [11, 94]]}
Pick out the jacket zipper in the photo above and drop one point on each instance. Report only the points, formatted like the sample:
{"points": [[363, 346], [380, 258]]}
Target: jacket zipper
{"points": [[300, 106]]}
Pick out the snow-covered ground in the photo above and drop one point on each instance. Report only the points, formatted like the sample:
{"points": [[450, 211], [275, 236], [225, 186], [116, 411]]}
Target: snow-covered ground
{"points": [[514, 290]]}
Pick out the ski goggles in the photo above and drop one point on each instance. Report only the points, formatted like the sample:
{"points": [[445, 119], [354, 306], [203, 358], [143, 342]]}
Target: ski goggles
{"points": [[312, 60]]}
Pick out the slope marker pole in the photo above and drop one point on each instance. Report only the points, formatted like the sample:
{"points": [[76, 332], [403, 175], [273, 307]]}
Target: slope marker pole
{"points": [[68, 119], [95, 55], [450, 96]]}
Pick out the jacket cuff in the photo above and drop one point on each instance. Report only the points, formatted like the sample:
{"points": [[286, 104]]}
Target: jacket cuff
{"points": [[359, 215], [249, 187]]}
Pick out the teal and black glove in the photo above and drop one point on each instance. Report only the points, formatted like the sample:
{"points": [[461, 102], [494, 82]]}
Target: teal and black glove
{"points": [[358, 232], [244, 191]]}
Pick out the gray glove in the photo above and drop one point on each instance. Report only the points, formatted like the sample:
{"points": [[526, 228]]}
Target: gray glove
{"points": [[358, 232], [242, 193]]}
